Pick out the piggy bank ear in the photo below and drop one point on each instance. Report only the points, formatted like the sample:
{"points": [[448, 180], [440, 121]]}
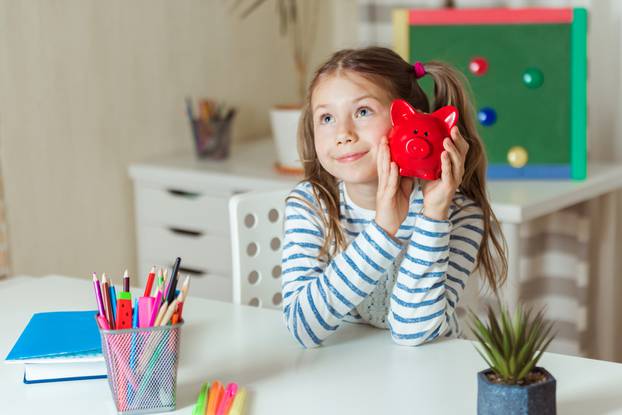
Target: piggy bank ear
{"points": [[448, 115], [401, 111]]}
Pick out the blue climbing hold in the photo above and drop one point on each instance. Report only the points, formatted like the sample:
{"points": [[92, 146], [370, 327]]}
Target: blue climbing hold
{"points": [[487, 116]]}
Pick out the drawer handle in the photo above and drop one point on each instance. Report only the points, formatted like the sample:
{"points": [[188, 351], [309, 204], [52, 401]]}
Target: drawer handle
{"points": [[186, 232], [183, 193], [192, 271]]}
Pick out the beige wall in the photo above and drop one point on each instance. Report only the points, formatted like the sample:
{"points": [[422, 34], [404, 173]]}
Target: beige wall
{"points": [[87, 87]]}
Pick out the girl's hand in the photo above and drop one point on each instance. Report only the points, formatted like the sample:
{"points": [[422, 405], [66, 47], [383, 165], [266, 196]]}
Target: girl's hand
{"points": [[393, 194], [438, 194]]}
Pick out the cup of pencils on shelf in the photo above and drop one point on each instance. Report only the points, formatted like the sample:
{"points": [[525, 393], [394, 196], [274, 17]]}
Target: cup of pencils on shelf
{"points": [[140, 340], [211, 129]]}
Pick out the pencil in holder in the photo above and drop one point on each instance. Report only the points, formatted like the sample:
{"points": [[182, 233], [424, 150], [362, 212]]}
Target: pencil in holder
{"points": [[142, 367]]}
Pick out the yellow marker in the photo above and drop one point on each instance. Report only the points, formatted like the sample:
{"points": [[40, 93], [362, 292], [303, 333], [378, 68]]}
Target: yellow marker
{"points": [[517, 156], [238, 403]]}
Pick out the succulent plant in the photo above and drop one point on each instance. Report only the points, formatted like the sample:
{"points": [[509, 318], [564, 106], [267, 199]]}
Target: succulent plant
{"points": [[511, 346]]}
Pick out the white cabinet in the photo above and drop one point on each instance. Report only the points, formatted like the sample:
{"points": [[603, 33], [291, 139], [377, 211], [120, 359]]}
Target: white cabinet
{"points": [[181, 209]]}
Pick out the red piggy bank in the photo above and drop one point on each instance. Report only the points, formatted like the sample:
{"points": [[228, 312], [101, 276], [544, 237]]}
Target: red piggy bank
{"points": [[416, 139]]}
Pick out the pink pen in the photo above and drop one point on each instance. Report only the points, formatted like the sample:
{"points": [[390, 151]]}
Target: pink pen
{"points": [[102, 322], [227, 399], [156, 308]]}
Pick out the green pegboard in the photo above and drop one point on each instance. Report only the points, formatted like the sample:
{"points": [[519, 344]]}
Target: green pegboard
{"points": [[537, 119]]}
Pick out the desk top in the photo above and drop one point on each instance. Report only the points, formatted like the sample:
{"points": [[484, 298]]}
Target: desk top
{"points": [[358, 371], [251, 166]]}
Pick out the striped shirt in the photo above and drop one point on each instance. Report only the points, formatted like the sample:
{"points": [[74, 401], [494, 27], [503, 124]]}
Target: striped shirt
{"points": [[415, 283]]}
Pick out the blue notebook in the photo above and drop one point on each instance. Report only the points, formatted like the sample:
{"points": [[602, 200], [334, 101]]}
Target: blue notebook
{"points": [[57, 334]]}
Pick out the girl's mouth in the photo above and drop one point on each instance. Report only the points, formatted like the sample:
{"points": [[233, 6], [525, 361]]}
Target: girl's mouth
{"points": [[350, 157]]}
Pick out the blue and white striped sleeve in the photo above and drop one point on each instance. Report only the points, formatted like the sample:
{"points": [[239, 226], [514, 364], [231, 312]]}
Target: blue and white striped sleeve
{"points": [[317, 295], [432, 275]]}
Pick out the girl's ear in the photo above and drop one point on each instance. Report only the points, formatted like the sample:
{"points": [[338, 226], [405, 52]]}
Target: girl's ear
{"points": [[401, 111], [448, 115]]}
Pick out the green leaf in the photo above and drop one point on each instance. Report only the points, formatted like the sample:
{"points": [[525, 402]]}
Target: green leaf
{"points": [[487, 349], [481, 329], [512, 365], [526, 353], [495, 331], [498, 358], [490, 365], [525, 371], [517, 321], [508, 334]]}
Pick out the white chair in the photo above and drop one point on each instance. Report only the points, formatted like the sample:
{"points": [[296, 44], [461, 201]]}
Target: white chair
{"points": [[256, 239]]}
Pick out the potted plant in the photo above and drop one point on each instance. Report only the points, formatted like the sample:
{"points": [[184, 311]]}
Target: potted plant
{"points": [[297, 19], [511, 347]]}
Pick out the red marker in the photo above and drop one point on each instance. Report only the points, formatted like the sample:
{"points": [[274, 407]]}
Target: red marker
{"points": [[149, 282]]}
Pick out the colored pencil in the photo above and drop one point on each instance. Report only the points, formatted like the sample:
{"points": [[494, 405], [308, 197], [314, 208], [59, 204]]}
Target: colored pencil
{"points": [[149, 285], [172, 285], [107, 302], [126, 282], [98, 296]]}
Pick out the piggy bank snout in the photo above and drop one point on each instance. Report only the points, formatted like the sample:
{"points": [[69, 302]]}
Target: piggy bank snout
{"points": [[419, 148]]}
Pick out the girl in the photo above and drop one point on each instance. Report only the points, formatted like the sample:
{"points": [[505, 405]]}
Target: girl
{"points": [[362, 244]]}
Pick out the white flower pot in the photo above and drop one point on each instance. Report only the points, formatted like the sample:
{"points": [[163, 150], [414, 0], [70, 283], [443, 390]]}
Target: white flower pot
{"points": [[284, 122]]}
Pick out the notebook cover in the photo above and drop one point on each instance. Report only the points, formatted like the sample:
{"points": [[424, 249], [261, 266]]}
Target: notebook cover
{"points": [[30, 382], [57, 334]]}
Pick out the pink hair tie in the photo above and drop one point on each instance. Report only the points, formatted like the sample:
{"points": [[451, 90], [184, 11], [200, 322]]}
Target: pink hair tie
{"points": [[419, 70]]}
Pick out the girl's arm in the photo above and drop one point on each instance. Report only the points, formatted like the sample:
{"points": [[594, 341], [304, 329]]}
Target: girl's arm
{"points": [[316, 294], [439, 259]]}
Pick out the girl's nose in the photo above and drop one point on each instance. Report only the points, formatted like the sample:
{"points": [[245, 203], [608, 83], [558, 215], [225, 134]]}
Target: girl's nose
{"points": [[346, 134], [345, 138]]}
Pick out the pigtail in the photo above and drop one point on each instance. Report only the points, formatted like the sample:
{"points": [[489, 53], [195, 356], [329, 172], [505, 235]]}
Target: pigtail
{"points": [[451, 88]]}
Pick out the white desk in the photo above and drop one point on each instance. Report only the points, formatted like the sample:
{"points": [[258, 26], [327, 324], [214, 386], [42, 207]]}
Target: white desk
{"points": [[358, 371]]}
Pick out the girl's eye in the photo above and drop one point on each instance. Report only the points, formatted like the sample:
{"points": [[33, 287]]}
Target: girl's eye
{"points": [[416, 131], [426, 133], [326, 119], [363, 112]]}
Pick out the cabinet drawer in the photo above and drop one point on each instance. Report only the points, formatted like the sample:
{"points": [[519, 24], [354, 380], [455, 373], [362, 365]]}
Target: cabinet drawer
{"points": [[208, 253], [183, 209], [212, 286], [203, 284]]}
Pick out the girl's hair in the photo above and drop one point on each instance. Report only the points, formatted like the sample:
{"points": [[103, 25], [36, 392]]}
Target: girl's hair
{"points": [[393, 74]]}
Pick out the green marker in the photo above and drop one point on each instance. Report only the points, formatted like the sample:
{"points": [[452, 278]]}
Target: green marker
{"points": [[199, 407]]}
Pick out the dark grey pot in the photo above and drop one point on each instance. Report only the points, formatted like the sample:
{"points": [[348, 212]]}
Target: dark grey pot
{"points": [[495, 399]]}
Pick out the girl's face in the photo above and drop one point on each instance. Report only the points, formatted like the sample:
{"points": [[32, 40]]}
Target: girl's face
{"points": [[350, 117]]}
